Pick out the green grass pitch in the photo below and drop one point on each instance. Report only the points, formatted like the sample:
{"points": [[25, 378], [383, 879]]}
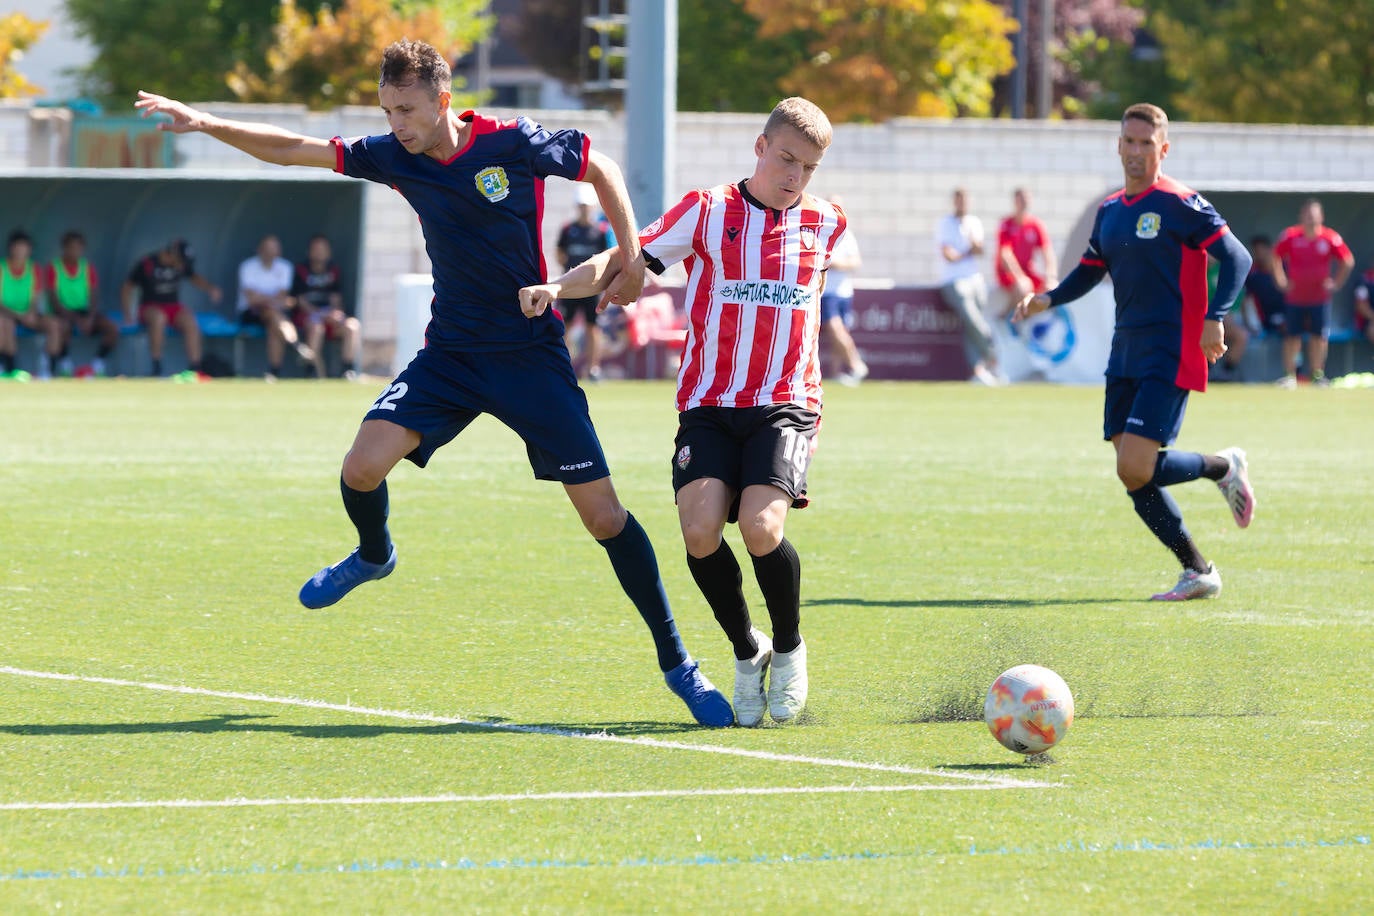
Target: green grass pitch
{"points": [[486, 730]]}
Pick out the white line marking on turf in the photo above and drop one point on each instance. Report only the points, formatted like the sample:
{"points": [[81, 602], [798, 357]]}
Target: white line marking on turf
{"points": [[448, 799], [1005, 782]]}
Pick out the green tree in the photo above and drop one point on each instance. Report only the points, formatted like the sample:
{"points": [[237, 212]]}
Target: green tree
{"points": [[1296, 61], [877, 59], [17, 33], [723, 64], [181, 47], [330, 58]]}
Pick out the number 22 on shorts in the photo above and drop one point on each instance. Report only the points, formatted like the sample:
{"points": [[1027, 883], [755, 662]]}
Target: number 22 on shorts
{"points": [[389, 397]]}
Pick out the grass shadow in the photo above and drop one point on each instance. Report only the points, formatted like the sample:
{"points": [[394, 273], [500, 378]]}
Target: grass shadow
{"points": [[962, 602], [241, 723]]}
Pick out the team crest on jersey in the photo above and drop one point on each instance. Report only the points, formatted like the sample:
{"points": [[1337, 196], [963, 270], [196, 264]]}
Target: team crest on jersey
{"points": [[808, 238], [492, 183], [684, 457], [653, 228], [1147, 227]]}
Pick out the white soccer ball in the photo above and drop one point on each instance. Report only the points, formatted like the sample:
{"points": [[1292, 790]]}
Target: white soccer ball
{"points": [[1029, 709]]}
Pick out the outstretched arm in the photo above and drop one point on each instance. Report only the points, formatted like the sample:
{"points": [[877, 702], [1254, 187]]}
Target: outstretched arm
{"points": [[261, 141], [604, 175], [586, 279]]}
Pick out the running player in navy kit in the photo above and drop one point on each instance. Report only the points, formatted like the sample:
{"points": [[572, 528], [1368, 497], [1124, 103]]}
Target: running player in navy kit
{"points": [[476, 184], [1153, 237]]}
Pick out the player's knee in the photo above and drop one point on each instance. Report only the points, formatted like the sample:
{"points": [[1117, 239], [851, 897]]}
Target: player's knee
{"points": [[360, 472], [762, 534], [605, 520], [1133, 477], [700, 538]]}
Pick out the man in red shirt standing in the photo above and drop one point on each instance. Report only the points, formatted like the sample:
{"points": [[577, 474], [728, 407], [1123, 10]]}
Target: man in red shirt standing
{"points": [[1307, 251], [1019, 237]]}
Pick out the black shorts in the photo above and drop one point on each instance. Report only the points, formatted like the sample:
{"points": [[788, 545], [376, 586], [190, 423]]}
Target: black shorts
{"points": [[744, 446], [571, 308]]}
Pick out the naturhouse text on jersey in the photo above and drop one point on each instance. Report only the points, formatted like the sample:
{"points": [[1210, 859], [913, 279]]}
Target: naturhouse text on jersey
{"points": [[776, 293]]}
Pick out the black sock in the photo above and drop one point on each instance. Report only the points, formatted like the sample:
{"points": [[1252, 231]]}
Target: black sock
{"points": [[1214, 467], [1161, 515], [719, 578], [157, 367], [53, 359], [632, 558], [779, 575], [274, 370], [7, 362], [367, 509], [193, 367], [104, 351]]}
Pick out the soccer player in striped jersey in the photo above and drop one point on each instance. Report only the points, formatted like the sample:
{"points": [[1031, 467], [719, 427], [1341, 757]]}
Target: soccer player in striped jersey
{"points": [[477, 185], [1153, 237], [749, 387]]}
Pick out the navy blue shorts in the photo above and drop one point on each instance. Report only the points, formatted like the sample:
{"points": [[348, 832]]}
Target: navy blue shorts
{"points": [[1306, 319], [533, 391], [837, 307], [1148, 407]]}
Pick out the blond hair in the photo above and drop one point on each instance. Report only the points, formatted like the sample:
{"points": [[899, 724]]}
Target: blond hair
{"points": [[806, 118]]}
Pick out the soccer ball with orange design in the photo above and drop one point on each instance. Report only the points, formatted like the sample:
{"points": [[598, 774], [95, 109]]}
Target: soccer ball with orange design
{"points": [[1029, 709]]}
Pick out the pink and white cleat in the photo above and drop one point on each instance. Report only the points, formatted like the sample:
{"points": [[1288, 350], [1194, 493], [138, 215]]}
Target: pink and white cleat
{"points": [[1235, 486], [1193, 584]]}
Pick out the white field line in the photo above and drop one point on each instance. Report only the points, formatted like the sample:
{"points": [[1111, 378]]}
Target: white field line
{"points": [[450, 799], [1004, 782]]}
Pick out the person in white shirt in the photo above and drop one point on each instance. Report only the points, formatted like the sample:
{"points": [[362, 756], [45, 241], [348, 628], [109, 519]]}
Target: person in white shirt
{"points": [[837, 305], [264, 286], [960, 241]]}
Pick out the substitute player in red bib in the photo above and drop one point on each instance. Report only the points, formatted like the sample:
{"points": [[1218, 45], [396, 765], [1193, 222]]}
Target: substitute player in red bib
{"points": [[1307, 252], [477, 184], [1153, 237], [749, 388]]}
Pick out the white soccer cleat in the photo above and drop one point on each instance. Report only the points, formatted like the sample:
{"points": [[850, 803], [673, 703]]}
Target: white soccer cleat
{"points": [[1235, 486], [787, 685], [1193, 584], [750, 698]]}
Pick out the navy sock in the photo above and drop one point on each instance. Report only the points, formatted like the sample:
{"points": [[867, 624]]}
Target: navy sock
{"points": [[1173, 467], [779, 575], [1161, 515], [721, 583], [368, 512], [632, 558]]}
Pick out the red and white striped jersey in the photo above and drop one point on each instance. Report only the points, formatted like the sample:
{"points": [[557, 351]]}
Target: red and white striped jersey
{"points": [[753, 295]]}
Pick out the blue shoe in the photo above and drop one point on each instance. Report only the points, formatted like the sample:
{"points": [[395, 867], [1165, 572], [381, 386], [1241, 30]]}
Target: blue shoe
{"points": [[330, 584], [707, 704]]}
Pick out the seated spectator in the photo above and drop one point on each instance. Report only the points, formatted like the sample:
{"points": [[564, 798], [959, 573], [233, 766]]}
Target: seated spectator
{"points": [[1364, 304], [157, 277], [318, 310], [74, 292], [21, 305], [264, 286], [1265, 285]]}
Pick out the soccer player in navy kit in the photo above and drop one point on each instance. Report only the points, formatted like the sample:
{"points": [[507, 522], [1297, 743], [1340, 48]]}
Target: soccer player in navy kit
{"points": [[476, 184], [1153, 237]]}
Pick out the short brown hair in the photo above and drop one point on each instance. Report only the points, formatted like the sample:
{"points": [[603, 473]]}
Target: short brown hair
{"points": [[406, 62], [806, 118], [1152, 115]]}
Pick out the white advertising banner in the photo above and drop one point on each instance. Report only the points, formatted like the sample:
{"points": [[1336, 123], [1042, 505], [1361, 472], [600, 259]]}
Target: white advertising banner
{"points": [[1068, 344]]}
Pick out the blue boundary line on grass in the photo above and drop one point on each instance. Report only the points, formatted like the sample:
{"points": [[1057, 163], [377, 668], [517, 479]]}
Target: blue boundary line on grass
{"points": [[466, 864]]}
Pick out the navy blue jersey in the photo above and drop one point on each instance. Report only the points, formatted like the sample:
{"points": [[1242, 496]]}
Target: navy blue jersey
{"points": [[1153, 245], [480, 213]]}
